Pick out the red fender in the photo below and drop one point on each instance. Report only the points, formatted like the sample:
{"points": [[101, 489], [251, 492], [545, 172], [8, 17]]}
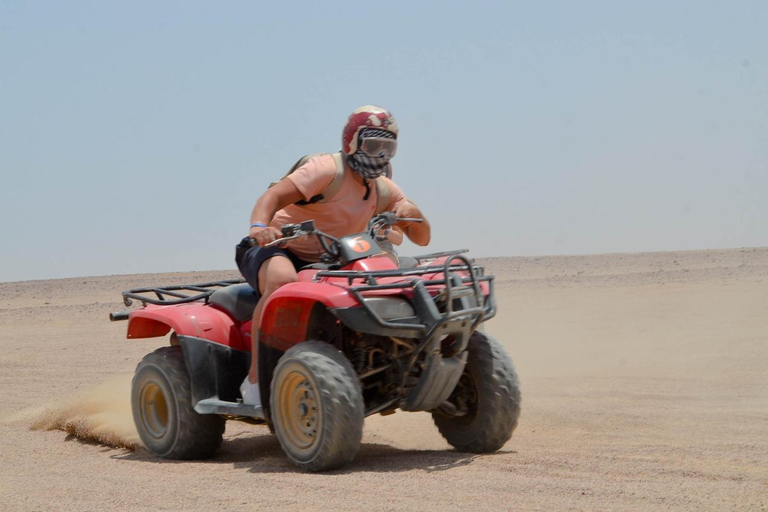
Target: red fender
{"points": [[286, 314], [200, 320], [375, 263]]}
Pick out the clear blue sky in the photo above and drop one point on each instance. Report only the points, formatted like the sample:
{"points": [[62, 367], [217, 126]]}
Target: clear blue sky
{"points": [[136, 136]]}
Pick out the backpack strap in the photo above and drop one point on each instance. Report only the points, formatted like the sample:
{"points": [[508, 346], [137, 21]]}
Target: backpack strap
{"points": [[382, 196], [335, 185], [330, 190], [382, 190], [301, 161]]}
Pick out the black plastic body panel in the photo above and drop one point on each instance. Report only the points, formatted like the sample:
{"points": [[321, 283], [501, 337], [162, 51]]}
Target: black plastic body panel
{"points": [[440, 374], [437, 382], [268, 358], [357, 247], [360, 320], [215, 370]]}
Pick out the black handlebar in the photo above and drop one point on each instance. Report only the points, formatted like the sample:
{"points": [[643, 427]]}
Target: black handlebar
{"points": [[294, 231]]}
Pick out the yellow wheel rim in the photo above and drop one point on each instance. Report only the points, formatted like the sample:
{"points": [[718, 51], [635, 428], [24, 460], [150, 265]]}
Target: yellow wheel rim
{"points": [[154, 410], [298, 411]]}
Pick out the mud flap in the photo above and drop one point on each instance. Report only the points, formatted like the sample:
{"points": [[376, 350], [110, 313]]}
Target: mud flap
{"points": [[215, 370], [268, 358]]}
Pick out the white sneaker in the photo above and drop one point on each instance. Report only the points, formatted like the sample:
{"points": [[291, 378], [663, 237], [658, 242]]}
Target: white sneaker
{"points": [[250, 392]]}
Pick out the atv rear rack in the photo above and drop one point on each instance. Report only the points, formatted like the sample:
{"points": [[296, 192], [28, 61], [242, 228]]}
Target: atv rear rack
{"points": [[182, 293]]}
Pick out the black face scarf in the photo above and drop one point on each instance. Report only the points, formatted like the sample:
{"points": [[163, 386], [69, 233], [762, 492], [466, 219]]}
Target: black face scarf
{"points": [[370, 167], [367, 166]]}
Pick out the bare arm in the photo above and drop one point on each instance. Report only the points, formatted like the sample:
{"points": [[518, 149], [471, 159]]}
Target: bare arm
{"points": [[275, 198], [395, 235], [419, 233]]}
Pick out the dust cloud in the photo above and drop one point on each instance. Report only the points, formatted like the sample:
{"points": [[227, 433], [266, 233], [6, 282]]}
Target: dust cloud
{"points": [[101, 414]]}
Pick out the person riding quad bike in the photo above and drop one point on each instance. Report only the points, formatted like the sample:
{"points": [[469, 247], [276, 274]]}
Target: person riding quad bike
{"points": [[341, 192], [361, 331]]}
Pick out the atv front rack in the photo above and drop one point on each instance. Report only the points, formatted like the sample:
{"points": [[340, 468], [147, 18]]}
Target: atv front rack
{"points": [[435, 255], [455, 288], [448, 306]]}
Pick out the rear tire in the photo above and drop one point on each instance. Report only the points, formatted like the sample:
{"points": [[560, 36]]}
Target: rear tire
{"points": [[487, 397], [317, 406], [161, 399]]}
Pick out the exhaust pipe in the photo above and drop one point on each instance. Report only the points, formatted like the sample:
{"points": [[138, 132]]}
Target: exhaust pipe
{"points": [[119, 315]]}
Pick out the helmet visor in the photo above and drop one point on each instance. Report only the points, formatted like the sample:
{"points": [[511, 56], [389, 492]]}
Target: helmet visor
{"points": [[378, 147]]}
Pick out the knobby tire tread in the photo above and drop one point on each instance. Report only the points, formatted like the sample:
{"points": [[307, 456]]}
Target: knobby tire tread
{"points": [[197, 436], [498, 401], [342, 402]]}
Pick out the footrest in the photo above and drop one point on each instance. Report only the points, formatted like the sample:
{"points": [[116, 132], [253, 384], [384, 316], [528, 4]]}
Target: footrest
{"points": [[216, 406]]}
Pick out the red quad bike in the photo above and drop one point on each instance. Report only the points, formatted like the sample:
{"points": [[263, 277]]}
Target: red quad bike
{"points": [[357, 335]]}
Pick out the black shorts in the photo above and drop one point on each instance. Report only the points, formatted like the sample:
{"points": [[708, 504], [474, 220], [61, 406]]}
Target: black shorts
{"points": [[249, 260]]}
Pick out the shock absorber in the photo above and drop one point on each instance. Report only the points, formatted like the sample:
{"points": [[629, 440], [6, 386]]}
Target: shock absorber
{"points": [[358, 357]]}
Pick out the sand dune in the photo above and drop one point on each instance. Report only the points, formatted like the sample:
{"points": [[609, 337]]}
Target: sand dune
{"points": [[644, 387]]}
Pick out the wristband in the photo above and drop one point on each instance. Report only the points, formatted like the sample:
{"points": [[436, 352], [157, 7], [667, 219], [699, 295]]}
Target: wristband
{"points": [[258, 225]]}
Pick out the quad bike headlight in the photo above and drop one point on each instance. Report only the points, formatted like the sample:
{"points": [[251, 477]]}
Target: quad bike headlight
{"points": [[390, 308]]}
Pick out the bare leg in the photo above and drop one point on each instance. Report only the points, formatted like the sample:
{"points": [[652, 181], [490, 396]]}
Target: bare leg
{"points": [[274, 273]]}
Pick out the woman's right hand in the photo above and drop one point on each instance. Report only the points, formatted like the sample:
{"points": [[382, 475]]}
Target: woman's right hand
{"points": [[263, 236]]}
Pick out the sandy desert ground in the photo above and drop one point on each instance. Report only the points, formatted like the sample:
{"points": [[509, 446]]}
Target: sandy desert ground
{"points": [[645, 387]]}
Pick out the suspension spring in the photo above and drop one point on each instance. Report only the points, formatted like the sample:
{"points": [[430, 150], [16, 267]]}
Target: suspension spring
{"points": [[359, 359]]}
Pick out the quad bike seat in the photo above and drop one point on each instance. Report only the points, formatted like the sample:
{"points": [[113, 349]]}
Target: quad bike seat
{"points": [[408, 262], [321, 266], [239, 300]]}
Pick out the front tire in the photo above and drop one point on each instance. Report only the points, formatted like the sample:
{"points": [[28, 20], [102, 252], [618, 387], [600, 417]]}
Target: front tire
{"points": [[161, 399], [485, 406], [317, 406]]}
